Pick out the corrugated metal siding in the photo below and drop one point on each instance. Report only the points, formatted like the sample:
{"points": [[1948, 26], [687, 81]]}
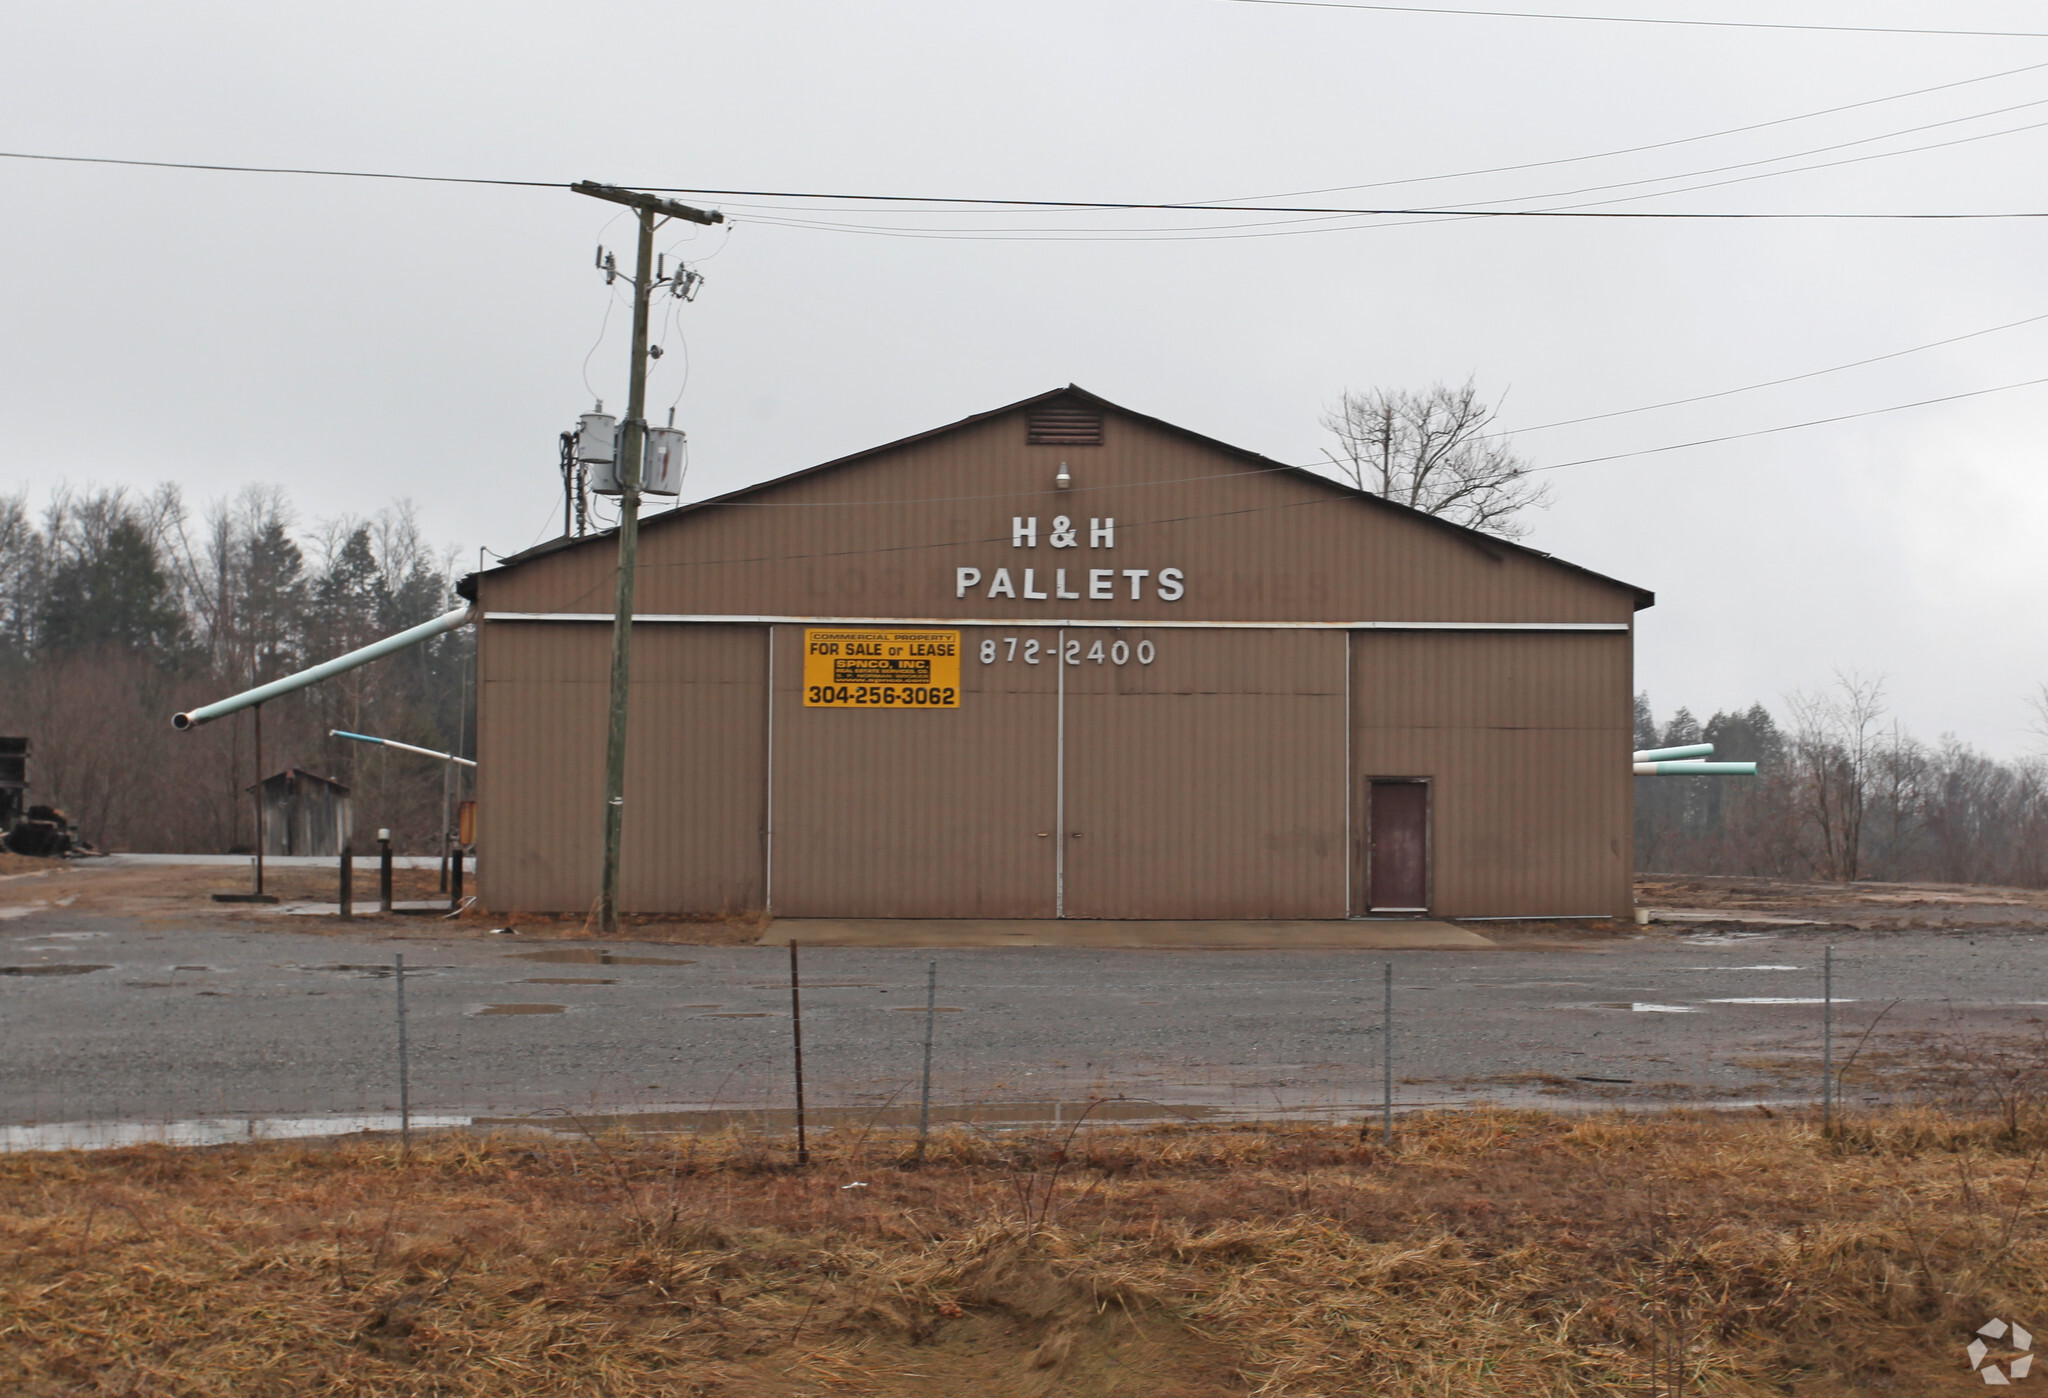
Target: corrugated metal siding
{"points": [[696, 779], [1525, 740], [1210, 783], [1201, 792], [936, 813], [695, 784], [540, 764]]}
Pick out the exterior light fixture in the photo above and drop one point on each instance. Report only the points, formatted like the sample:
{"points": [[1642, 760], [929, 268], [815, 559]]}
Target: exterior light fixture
{"points": [[1064, 480]]}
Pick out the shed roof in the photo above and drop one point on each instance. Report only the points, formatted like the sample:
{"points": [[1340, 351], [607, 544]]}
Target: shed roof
{"points": [[293, 776], [1643, 597]]}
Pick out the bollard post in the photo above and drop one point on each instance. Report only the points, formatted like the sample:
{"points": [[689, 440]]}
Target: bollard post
{"points": [[924, 1105], [383, 871], [1387, 1060], [796, 1031], [404, 1077], [348, 881], [1827, 1042], [455, 883]]}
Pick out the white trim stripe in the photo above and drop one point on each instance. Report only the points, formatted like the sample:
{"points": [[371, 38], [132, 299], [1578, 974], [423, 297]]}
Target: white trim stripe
{"points": [[711, 619]]}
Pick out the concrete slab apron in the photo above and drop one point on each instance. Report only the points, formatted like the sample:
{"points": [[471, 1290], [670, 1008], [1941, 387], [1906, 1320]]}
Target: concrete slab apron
{"points": [[1081, 932]]}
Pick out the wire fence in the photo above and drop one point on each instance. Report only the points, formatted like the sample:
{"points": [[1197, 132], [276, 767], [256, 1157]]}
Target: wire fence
{"points": [[120, 1039]]}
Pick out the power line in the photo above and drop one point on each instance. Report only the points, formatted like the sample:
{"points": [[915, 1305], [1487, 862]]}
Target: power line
{"points": [[1235, 201], [1824, 164], [1791, 426], [1657, 145], [1439, 213], [278, 170], [771, 214], [1813, 150], [1073, 204], [1081, 205], [1770, 383], [1643, 19]]}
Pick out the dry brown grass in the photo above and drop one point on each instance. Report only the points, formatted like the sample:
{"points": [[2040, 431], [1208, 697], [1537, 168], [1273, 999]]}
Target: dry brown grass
{"points": [[25, 864], [1489, 1254]]}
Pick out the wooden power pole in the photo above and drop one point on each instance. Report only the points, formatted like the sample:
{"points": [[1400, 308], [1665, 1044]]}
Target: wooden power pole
{"points": [[653, 211]]}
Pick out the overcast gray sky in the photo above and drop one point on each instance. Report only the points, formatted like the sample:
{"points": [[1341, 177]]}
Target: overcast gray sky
{"points": [[359, 341]]}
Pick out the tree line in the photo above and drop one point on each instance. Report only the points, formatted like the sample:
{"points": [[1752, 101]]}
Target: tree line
{"points": [[119, 609], [1842, 792]]}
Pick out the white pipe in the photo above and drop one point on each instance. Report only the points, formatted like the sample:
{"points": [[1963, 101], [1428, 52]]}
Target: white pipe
{"points": [[402, 747], [1695, 769], [341, 664], [1671, 754]]}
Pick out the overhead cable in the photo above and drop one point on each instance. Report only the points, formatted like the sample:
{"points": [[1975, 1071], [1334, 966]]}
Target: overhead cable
{"points": [[1768, 383], [1075, 204], [1790, 426], [1438, 213], [1655, 145], [1646, 19], [278, 170]]}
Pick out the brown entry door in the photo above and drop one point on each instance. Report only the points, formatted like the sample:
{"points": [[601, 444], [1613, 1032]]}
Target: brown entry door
{"points": [[1397, 855]]}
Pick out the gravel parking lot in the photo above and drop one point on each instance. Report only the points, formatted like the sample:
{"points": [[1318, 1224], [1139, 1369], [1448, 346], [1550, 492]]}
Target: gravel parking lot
{"points": [[137, 1016]]}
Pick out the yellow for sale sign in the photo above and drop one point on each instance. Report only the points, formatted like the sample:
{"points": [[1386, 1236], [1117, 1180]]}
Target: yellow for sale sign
{"points": [[881, 669]]}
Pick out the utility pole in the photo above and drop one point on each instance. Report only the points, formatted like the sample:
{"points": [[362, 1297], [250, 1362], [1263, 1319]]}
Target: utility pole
{"points": [[652, 210]]}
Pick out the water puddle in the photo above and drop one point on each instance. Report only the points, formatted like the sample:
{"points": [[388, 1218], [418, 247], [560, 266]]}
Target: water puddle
{"points": [[375, 972], [71, 968], [1779, 1000], [1645, 1007], [70, 936], [994, 1114], [814, 985], [567, 980], [1743, 968], [210, 1131], [596, 956], [1530, 985], [518, 1010]]}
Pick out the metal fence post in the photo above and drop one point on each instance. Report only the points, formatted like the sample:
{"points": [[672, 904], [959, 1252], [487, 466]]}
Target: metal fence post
{"points": [[1827, 1042], [924, 1106], [404, 1076], [348, 881], [796, 1031], [383, 871], [1387, 1060]]}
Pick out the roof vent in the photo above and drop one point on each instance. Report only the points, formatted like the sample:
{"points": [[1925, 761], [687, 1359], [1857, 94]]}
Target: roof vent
{"points": [[1064, 422]]}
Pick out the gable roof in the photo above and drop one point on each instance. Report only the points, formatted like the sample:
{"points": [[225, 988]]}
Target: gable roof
{"points": [[1491, 544]]}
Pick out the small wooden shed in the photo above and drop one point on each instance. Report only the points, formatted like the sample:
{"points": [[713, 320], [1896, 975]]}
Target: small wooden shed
{"points": [[304, 814]]}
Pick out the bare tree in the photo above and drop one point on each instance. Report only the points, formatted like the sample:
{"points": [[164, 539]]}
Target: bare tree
{"points": [[1434, 452], [1834, 753]]}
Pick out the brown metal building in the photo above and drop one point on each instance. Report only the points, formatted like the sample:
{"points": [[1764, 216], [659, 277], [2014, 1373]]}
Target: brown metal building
{"points": [[1192, 683]]}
